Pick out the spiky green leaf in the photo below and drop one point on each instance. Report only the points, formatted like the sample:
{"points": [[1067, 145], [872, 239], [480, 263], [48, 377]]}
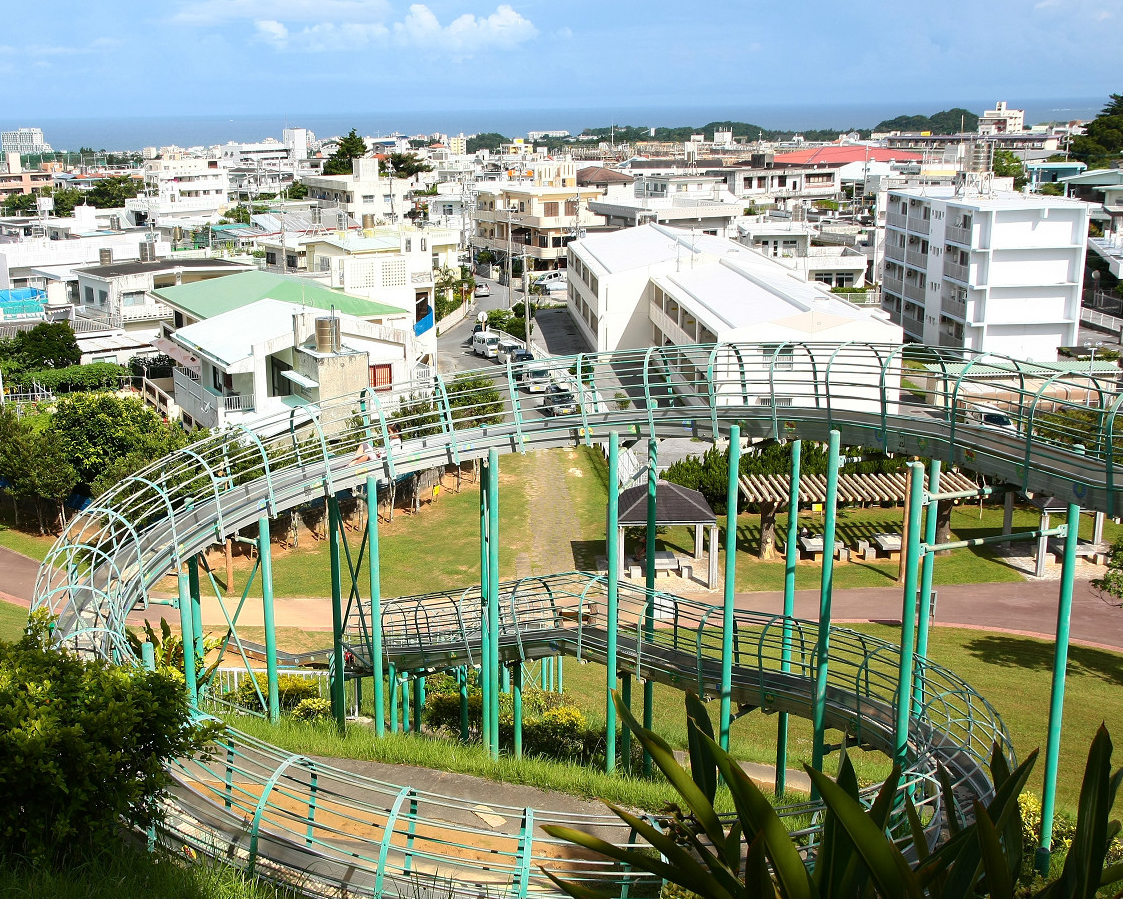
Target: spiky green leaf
{"points": [[1000, 885]]}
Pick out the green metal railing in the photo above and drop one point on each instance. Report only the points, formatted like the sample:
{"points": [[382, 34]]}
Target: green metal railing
{"points": [[1062, 441]]}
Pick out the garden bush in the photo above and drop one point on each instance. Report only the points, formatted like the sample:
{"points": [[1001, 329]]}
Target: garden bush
{"points": [[82, 745], [292, 689], [317, 709]]}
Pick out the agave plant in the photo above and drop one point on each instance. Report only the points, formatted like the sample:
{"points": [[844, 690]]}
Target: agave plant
{"points": [[754, 856], [167, 649]]}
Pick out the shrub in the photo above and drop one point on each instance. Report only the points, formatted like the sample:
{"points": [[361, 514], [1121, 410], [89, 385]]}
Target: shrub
{"points": [[82, 744], [292, 689], [317, 709]]}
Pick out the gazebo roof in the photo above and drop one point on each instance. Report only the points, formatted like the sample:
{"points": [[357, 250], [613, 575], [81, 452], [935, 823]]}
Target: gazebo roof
{"points": [[674, 504], [774, 488]]}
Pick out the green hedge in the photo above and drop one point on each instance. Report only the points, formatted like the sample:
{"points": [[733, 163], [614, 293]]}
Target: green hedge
{"points": [[292, 690], [74, 378]]}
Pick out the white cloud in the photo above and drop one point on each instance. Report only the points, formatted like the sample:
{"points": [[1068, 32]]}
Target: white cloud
{"points": [[504, 28], [272, 32], [323, 38], [47, 51], [564, 33]]}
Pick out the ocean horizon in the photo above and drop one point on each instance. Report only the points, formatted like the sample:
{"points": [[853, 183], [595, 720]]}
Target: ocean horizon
{"points": [[133, 133]]}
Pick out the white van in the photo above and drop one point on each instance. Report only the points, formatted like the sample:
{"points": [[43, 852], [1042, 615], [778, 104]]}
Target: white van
{"points": [[551, 281], [990, 417], [486, 344]]}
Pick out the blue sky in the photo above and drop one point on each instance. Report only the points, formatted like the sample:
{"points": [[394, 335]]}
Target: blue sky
{"points": [[68, 59]]}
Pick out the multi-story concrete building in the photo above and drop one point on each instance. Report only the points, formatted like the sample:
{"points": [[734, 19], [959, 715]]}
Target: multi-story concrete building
{"points": [[534, 221], [24, 140], [15, 179], [357, 194], [790, 243], [660, 286], [1002, 120], [180, 188], [998, 272]]}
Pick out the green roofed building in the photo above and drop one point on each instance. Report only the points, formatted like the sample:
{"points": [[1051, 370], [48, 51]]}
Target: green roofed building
{"points": [[206, 299]]}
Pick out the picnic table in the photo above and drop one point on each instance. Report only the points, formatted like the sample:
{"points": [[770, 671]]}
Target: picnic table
{"points": [[813, 546]]}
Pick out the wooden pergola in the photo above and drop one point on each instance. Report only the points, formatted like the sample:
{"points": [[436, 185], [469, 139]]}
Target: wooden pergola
{"points": [[770, 491]]}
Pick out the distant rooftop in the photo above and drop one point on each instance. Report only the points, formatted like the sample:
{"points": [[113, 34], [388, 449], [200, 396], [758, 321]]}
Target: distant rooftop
{"points": [[206, 299], [116, 269]]}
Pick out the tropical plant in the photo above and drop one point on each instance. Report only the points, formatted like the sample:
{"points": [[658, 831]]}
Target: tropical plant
{"points": [[754, 856]]}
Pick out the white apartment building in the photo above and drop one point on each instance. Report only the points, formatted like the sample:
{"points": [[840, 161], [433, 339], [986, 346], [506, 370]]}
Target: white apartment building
{"points": [[998, 273], [24, 140], [660, 286], [696, 202], [1002, 120], [357, 194], [789, 243], [180, 188]]}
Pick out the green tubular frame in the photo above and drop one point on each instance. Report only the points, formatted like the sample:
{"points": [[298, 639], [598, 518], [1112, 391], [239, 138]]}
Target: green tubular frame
{"points": [[826, 589], [106, 563]]}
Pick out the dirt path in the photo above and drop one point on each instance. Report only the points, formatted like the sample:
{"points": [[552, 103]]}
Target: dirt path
{"points": [[553, 520]]}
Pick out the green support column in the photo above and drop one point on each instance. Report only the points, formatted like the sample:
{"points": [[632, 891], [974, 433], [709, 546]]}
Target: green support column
{"points": [[462, 678], [625, 733], [338, 699], [791, 557], [375, 569], [612, 532], [517, 704], [265, 560], [485, 632], [928, 563], [418, 702], [392, 677], [506, 674], [187, 632], [730, 584], [908, 614], [1057, 697], [559, 674], [493, 590], [544, 674], [196, 606], [826, 589], [649, 582], [407, 685]]}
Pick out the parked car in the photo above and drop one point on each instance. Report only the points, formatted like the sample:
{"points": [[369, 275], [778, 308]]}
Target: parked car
{"points": [[485, 343], [535, 378], [507, 349], [559, 401], [551, 281], [483, 289], [990, 417], [521, 355]]}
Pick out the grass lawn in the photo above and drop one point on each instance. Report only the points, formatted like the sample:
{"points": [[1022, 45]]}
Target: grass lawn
{"points": [[12, 620], [30, 544]]}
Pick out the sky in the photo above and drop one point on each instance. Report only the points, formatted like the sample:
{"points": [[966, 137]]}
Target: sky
{"points": [[175, 57]]}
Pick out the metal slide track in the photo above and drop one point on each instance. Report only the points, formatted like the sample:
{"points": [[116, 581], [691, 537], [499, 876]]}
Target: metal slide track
{"points": [[330, 831]]}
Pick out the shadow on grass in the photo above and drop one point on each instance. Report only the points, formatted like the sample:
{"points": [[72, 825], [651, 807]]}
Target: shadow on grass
{"points": [[1036, 655], [585, 553]]}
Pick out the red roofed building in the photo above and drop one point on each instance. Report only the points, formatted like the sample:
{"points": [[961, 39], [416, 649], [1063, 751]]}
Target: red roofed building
{"points": [[843, 155]]}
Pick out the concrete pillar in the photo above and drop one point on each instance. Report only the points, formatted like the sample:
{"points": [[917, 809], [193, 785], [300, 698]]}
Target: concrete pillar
{"points": [[1098, 527], [1042, 547], [697, 541], [1008, 512]]}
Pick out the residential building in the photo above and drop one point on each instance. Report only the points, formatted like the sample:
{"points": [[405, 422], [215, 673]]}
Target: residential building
{"points": [[297, 140], [1002, 120], [535, 221], [790, 243], [15, 179], [121, 293], [692, 202], [260, 359], [613, 185], [25, 141], [357, 195], [1054, 172], [996, 272], [660, 286], [181, 187], [458, 146]]}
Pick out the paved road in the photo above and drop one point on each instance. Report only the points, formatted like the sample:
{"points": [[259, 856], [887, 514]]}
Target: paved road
{"points": [[17, 576]]}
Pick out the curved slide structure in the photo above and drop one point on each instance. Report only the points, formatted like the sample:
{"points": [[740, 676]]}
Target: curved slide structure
{"points": [[297, 820]]}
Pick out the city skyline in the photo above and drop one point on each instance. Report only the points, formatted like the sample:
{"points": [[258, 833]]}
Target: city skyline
{"points": [[238, 57]]}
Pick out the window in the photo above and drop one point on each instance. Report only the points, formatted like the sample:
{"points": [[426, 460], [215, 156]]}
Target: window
{"points": [[550, 210], [368, 198], [381, 376], [290, 261], [270, 258], [102, 297], [409, 244], [133, 298], [88, 295], [784, 355], [423, 245], [571, 207], [543, 241]]}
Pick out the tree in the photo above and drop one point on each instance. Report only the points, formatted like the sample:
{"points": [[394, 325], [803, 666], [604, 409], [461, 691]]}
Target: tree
{"points": [[66, 198], [111, 193], [19, 204], [488, 140], [109, 436], [947, 121], [403, 165], [1008, 165], [1102, 141], [350, 148], [48, 345], [296, 191]]}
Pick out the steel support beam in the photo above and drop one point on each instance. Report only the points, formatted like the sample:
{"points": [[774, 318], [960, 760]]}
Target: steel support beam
{"points": [[375, 572], [791, 557], [613, 596], [826, 590], [265, 557], [730, 585]]}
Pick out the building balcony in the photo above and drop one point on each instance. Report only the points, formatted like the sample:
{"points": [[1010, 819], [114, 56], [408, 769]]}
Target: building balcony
{"points": [[914, 326], [208, 408], [950, 340], [918, 225], [957, 272], [915, 292], [951, 305], [147, 312], [896, 220], [957, 234], [893, 283], [916, 258], [892, 251]]}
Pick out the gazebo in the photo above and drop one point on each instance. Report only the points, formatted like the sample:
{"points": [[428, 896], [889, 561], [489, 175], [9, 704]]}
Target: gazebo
{"points": [[674, 505]]}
